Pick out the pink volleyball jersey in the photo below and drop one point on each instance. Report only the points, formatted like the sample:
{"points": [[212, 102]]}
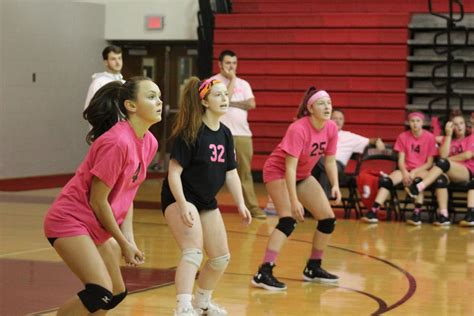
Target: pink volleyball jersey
{"points": [[417, 150], [119, 159], [303, 141], [457, 146], [463, 145]]}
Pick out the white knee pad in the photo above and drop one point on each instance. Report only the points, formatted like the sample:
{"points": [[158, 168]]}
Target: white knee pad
{"points": [[193, 256], [219, 263]]}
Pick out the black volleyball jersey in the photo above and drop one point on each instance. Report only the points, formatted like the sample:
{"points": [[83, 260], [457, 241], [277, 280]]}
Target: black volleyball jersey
{"points": [[205, 164]]}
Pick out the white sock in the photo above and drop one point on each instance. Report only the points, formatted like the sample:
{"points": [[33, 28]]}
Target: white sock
{"points": [[202, 297], [184, 300]]}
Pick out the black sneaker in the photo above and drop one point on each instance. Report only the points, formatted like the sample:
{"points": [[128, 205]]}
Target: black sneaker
{"points": [[412, 189], [370, 217], [442, 221], [468, 220], [314, 273], [415, 219], [264, 278]]}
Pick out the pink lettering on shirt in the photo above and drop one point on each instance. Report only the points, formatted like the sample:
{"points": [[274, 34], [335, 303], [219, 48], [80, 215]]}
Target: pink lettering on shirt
{"points": [[217, 153]]}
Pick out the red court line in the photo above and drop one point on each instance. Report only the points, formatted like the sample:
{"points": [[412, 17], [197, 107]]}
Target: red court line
{"points": [[383, 308], [49, 181], [410, 278]]}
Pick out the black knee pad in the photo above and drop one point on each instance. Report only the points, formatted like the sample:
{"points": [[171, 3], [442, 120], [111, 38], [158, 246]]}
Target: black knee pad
{"points": [[286, 225], [326, 226], [386, 182], [95, 297], [470, 185], [441, 182], [116, 299], [443, 164]]}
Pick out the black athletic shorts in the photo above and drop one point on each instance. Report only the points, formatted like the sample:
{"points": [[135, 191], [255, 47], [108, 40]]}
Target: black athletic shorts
{"points": [[52, 240], [168, 199]]}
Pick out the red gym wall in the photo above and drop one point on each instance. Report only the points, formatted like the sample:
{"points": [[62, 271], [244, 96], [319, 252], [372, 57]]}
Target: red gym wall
{"points": [[356, 50]]}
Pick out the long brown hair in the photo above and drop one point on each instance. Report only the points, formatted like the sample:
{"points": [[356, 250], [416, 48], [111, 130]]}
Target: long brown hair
{"points": [[107, 106], [188, 121], [303, 109], [458, 113]]}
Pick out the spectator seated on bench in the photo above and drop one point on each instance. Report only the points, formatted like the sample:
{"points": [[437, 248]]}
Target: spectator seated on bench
{"points": [[416, 149], [456, 164], [348, 144]]}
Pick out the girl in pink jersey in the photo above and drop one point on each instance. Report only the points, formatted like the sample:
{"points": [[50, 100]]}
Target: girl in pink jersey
{"points": [[288, 179], [468, 220], [456, 164], [90, 222], [202, 161], [416, 148]]}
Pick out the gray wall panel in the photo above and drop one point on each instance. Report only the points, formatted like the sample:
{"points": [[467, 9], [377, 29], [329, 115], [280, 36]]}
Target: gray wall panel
{"points": [[41, 127]]}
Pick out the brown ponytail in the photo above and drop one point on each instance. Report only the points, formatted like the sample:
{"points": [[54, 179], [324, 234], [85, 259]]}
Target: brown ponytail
{"points": [[303, 109], [189, 118]]}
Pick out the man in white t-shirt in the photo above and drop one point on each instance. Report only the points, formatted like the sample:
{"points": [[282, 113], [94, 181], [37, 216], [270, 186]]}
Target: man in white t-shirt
{"points": [[348, 143], [112, 56], [241, 101]]}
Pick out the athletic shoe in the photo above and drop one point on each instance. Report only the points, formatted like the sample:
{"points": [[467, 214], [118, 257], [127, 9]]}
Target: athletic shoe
{"points": [[415, 219], [258, 213], [314, 273], [468, 220], [370, 218], [185, 311], [264, 278], [442, 221], [412, 190], [211, 310]]}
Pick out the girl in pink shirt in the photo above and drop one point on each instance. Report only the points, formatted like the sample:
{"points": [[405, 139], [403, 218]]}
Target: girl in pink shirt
{"points": [[90, 222], [287, 177], [416, 148], [469, 218], [456, 164]]}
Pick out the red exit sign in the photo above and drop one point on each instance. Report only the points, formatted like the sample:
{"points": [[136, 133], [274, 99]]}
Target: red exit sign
{"points": [[154, 22]]}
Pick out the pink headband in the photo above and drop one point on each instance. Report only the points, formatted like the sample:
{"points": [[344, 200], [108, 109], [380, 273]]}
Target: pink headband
{"points": [[419, 115], [316, 96], [205, 86]]}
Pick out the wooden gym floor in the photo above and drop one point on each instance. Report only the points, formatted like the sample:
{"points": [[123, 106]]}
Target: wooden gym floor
{"points": [[389, 268]]}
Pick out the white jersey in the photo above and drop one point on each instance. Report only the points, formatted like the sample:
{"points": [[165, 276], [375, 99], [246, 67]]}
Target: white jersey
{"points": [[99, 80], [349, 143]]}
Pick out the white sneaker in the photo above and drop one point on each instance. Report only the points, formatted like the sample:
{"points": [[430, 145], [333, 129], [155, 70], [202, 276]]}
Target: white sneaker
{"points": [[185, 311], [211, 310]]}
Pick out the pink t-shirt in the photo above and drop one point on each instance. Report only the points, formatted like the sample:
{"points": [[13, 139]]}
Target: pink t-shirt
{"points": [[456, 147], [463, 145], [417, 150], [119, 159], [236, 119], [304, 142]]}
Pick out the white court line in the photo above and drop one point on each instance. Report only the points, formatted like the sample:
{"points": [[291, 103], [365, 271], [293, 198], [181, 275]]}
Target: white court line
{"points": [[23, 252]]}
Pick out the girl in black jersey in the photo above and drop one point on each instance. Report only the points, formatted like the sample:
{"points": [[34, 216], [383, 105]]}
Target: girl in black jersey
{"points": [[202, 160]]}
